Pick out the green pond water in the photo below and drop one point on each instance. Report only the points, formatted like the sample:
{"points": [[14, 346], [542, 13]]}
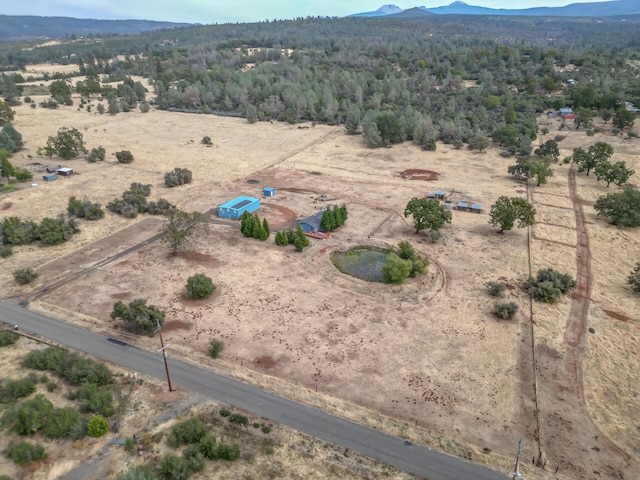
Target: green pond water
{"points": [[362, 262]]}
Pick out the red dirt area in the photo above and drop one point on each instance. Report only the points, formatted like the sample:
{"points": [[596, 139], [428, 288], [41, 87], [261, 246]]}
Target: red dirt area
{"points": [[417, 174]]}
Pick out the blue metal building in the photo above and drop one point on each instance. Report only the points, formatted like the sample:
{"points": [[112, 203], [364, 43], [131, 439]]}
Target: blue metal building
{"points": [[236, 207], [268, 192], [312, 223]]}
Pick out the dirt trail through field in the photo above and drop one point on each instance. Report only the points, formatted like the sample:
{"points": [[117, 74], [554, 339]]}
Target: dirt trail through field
{"points": [[571, 439]]}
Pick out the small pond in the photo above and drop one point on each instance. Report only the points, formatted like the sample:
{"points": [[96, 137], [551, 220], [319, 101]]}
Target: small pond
{"points": [[364, 263]]}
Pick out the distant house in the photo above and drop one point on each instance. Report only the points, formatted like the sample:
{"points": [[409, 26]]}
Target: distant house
{"points": [[631, 107], [567, 113], [236, 207], [312, 224]]}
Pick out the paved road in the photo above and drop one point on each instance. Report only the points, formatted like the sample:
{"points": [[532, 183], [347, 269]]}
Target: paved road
{"points": [[392, 450]]}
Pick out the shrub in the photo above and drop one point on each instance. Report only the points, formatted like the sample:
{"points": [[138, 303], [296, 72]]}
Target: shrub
{"points": [[238, 418], [12, 390], [84, 209], [22, 175], [8, 338], [190, 431], [173, 467], [590, 133], [634, 278], [549, 285], [496, 289], [195, 459], [61, 423], [24, 452], [266, 429], [396, 269], [200, 286], [97, 426], [224, 412], [129, 444], [506, 311], [93, 400], [179, 176], [124, 156], [215, 347], [96, 154], [207, 446], [227, 452], [24, 276], [5, 251]]}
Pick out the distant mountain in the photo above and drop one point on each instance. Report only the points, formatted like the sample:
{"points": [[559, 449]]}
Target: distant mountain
{"points": [[597, 9], [416, 12], [14, 28], [381, 12]]}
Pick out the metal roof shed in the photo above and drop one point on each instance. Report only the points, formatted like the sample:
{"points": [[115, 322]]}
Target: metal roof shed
{"points": [[462, 205], [236, 207], [49, 177], [476, 208], [268, 192], [312, 223]]}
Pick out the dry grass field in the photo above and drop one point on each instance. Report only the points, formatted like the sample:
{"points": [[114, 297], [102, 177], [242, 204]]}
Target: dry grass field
{"points": [[428, 359]]}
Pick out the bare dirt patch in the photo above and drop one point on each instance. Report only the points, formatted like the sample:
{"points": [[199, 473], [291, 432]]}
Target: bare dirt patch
{"points": [[417, 174]]}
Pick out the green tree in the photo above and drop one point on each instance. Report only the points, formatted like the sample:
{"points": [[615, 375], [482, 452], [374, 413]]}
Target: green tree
{"points": [[186, 432], [54, 231], [617, 173], [540, 170], [406, 251], [138, 316], [97, 426], [507, 210], [179, 226], [622, 208], [352, 121], [200, 286], [427, 213], [67, 144], [584, 118], [634, 278], [396, 269], [300, 240], [96, 155], [28, 416], [623, 118], [548, 148], [6, 114], [215, 347], [601, 152], [584, 160], [60, 89], [7, 170], [10, 138], [506, 136]]}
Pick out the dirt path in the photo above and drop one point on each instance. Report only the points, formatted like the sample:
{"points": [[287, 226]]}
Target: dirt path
{"points": [[571, 439]]}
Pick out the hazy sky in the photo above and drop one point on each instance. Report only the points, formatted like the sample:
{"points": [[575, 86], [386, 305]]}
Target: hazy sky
{"points": [[223, 11]]}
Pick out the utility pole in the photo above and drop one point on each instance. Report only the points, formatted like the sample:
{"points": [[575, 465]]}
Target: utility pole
{"points": [[516, 470], [163, 350]]}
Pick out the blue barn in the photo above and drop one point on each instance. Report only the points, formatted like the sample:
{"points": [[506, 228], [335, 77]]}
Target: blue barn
{"points": [[312, 223], [236, 207]]}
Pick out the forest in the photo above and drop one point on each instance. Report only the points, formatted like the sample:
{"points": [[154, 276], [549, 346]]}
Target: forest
{"points": [[457, 79]]}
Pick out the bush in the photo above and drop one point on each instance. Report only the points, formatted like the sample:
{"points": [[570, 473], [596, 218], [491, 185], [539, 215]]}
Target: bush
{"points": [[224, 412], [97, 154], [200, 286], [179, 176], [396, 269], [207, 446], [24, 276], [173, 467], [22, 175], [24, 452], [215, 347], [124, 156], [61, 423], [12, 390], [549, 285], [266, 429], [496, 289], [238, 418], [195, 459], [93, 400], [188, 432], [506, 311], [5, 251], [97, 426], [84, 209], [227, 452], [634, 278], [8, 338]]}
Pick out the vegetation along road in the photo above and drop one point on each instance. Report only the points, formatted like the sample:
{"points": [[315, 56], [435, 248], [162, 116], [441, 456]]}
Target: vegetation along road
{"points": [[392, 450]]}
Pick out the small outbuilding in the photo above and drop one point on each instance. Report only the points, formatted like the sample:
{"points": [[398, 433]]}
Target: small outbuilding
{"points": [[312, 224], [476, 208], [462, 206], [235, 208], [431, 195], [268, 192], [65, 171], [440, 195], [49, 177]]}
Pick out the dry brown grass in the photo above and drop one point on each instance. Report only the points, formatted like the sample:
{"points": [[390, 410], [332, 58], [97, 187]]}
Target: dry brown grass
{"points": [[429, 352]]}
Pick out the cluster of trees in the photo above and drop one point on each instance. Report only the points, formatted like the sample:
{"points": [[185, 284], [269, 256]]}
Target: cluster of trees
{"points": [[10, 139], [50, 231], [85, 209], [252, 227], [7, 170], [538, 165], [138, 316], [596, 158], [135, 201], [290, 236], [178, 176], [333, 217], [97, 154], [402, 263]]}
